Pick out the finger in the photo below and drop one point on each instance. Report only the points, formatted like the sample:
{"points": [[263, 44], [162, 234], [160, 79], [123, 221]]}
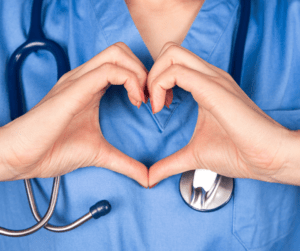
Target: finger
{"points": [[173, 57], [78, 94], [111, 158], [179, 162], [115, 54], [165, 81], [172, 53], [173, 47], [169, 98], [204, 89], [143, 82], [243, 122], [55, 114], [118, 54], [97, 79], [131, 54]]}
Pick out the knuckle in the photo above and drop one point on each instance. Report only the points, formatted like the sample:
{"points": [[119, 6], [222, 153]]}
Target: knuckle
{"points": [[175, 68], [58, 88], [217, 80], [130, 89], [169, 44], [67, 83], [172, 48], [158, 89], [120, 44], [115, 50], [154, 83], [143, 75], [107, 67], [131, 79], [65, 76], [150, 78], [227, 75], [131, 76]]}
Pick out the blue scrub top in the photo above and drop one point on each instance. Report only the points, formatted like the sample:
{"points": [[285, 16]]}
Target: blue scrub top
{"points": [[260, 216]]}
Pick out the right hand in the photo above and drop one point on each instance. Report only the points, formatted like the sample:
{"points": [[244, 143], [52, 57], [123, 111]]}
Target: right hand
{"points": [[62, 132]]}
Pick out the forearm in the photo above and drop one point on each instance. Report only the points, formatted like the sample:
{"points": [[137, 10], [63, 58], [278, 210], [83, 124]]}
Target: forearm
{"points": [[289, 173]]}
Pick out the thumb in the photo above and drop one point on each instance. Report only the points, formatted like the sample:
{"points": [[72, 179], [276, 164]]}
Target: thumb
{"points": [[113, 159], [179, 162]]}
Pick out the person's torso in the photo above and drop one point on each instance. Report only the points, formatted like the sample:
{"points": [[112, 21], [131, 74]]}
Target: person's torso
{"points": [[260, 216]]}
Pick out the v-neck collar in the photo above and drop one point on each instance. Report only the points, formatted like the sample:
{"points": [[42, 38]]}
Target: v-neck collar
{"points": [[117, 25]]}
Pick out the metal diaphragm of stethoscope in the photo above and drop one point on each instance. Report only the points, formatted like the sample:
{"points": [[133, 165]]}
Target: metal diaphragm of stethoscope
{"points": [[202, 190]]}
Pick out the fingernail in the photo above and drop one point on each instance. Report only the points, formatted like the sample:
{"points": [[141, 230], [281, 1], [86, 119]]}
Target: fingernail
{"points": [[151, 102], [167, 105], [153, 185], [142, 186], [138, 104], [142, 95]]}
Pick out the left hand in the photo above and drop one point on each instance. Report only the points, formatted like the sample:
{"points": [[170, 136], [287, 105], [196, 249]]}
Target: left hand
{"points": [[233, 136]]}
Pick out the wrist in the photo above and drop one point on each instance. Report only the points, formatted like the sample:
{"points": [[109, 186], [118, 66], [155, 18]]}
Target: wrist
{"points": [[289, 172]]}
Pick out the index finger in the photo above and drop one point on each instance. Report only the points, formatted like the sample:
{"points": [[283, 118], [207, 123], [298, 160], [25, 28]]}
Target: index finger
{"points": [[212, 67], [174, 54], [118, 54]]}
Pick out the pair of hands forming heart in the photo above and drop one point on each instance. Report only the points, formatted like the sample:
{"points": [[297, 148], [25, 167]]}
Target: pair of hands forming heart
{"points": [[233, 137]]}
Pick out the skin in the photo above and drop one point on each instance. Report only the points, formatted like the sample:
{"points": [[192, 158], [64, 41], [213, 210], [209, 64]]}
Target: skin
{"points": [[159, 22], [232, 137], [62, 132]]}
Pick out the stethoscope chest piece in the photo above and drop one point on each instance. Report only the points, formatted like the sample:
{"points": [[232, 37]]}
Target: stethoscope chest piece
{"points": [[204, 190]]}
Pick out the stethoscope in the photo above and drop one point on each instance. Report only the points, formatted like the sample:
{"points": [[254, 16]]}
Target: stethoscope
{"points": [[204, 190], [216, 190], [37, 41]]}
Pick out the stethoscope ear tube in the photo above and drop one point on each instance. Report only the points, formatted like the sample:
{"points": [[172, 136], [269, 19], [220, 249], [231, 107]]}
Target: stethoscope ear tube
{"points": [[43, 221], [101, 208], [37, 41]]}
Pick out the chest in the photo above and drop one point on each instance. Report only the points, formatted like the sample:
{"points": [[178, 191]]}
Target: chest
{"points": [[167, 22]]}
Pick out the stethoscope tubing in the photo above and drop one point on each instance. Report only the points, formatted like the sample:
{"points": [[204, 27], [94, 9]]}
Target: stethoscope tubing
{"points": [[43, 221], [37, 41], [48, 226]]}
